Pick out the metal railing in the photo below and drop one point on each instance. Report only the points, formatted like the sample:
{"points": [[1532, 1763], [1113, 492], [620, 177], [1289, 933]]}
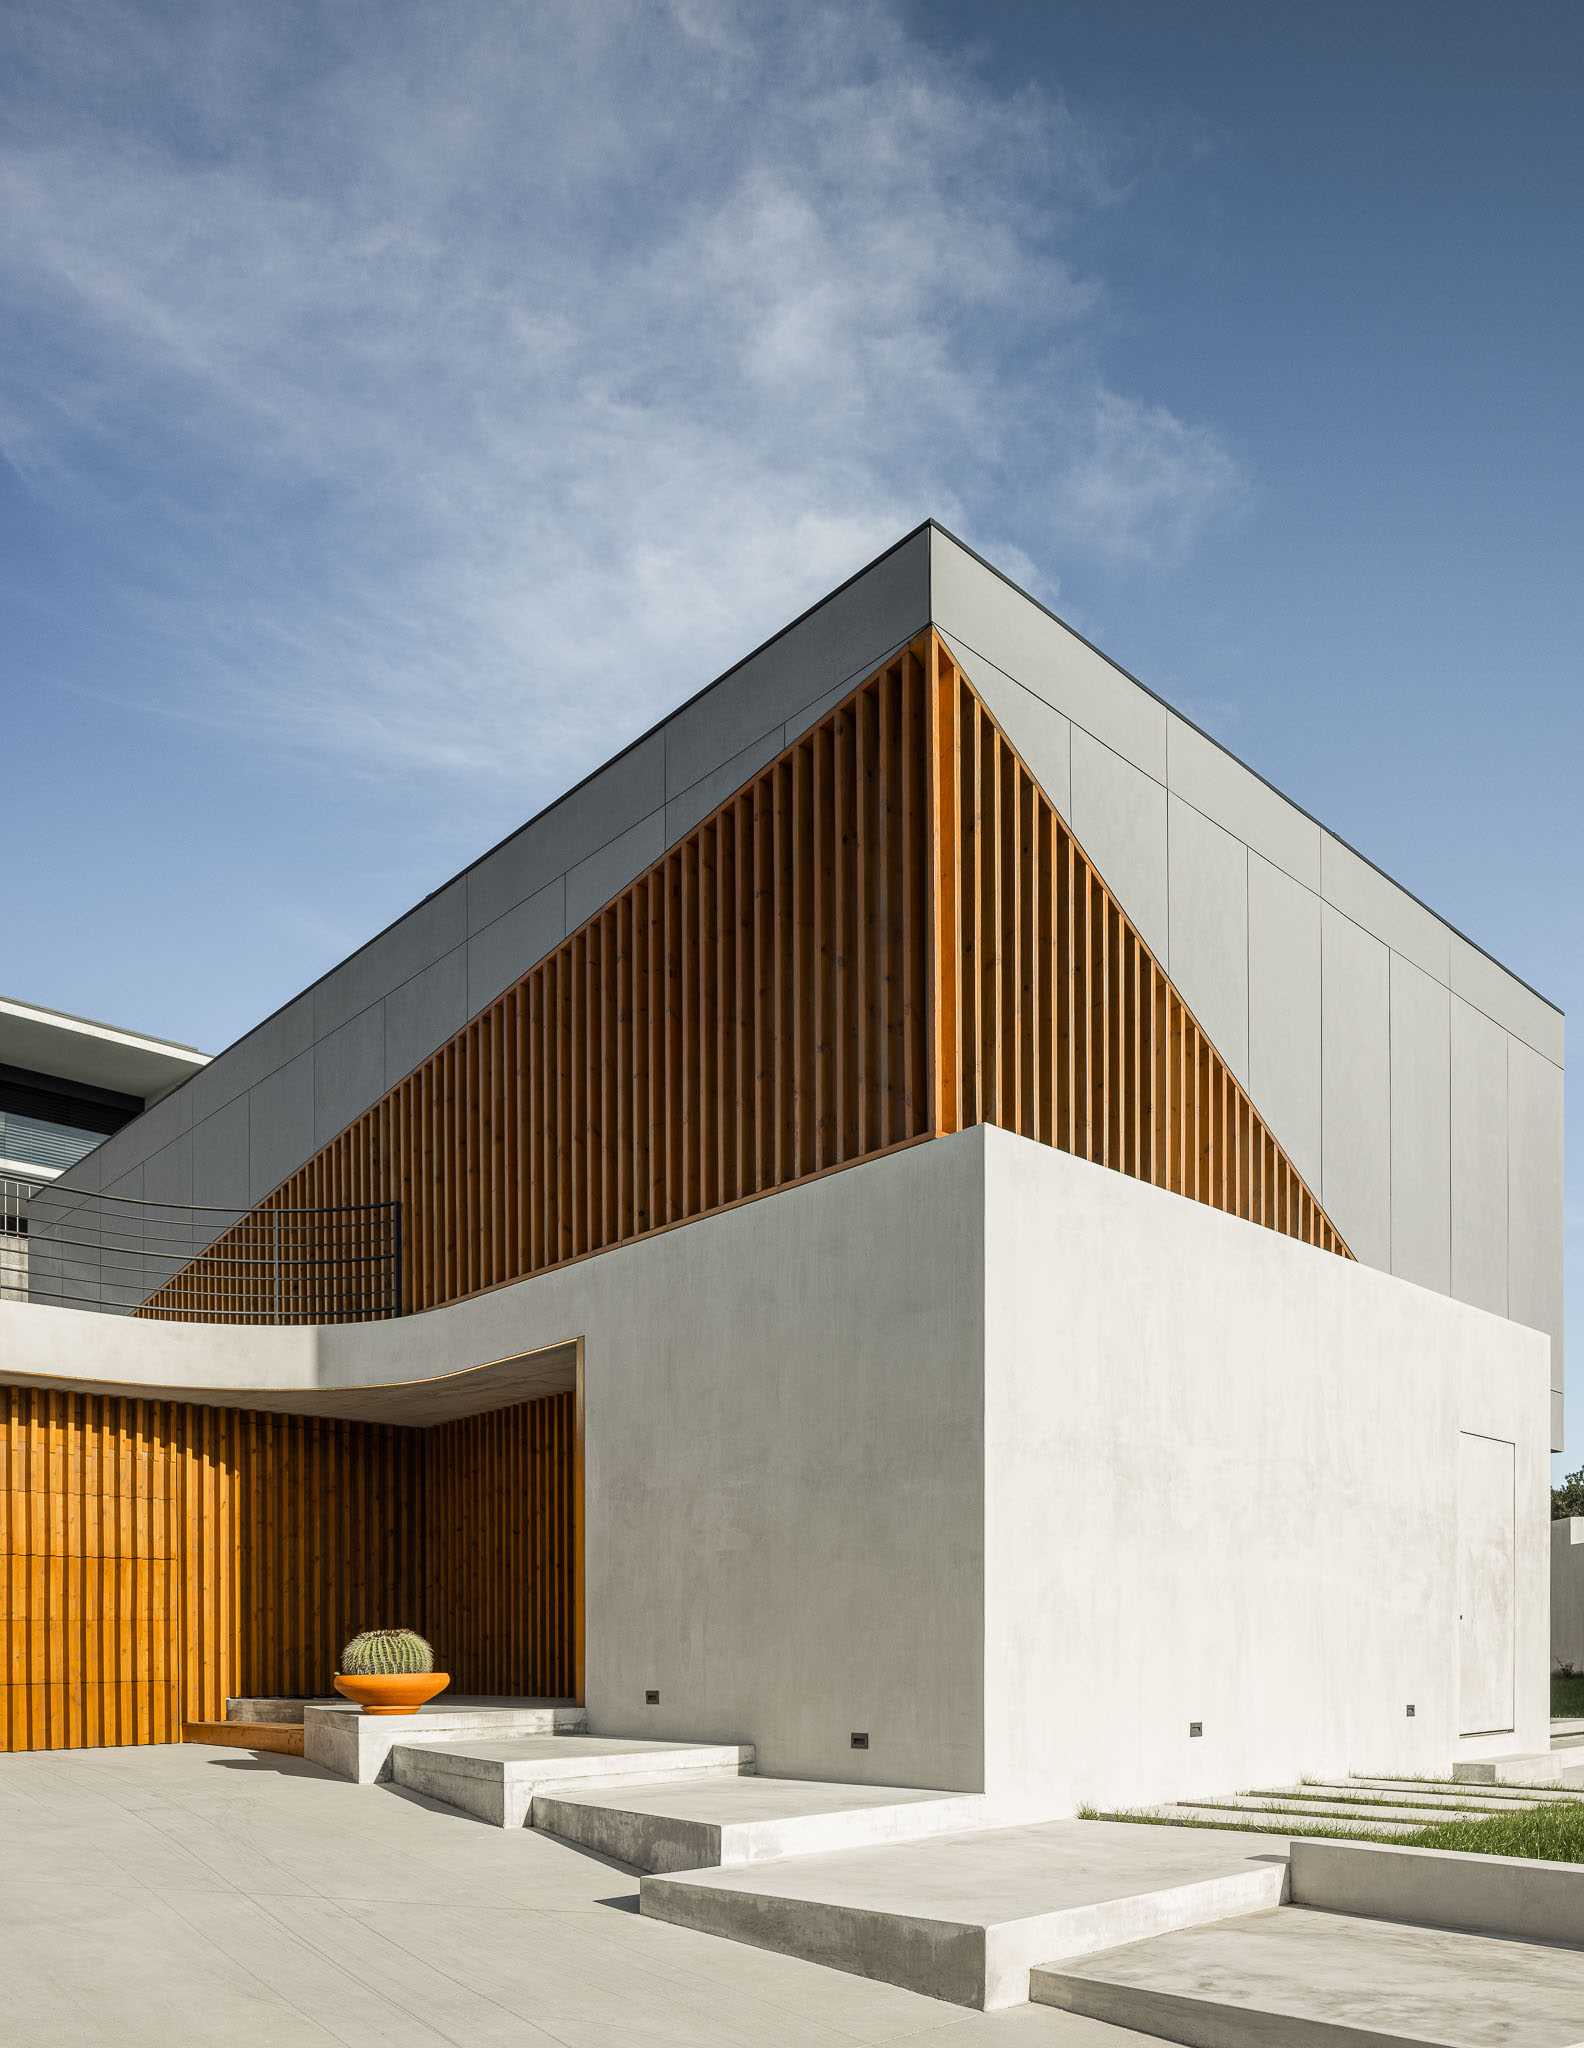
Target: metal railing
{"points": [[198, 1262]]}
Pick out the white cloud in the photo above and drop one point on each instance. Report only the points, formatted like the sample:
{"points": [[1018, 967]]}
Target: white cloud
{"points": [[494, 375]]}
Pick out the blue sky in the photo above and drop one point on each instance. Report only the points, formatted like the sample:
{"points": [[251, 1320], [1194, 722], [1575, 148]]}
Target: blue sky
{"points": [[402, 406]]}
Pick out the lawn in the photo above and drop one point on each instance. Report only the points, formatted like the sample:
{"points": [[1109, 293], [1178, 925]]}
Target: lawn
{"points": [[1553, 1833], [1567, 1699]]}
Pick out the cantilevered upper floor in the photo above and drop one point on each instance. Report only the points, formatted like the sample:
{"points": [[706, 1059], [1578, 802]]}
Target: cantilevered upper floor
{"points": [[1410, 1084]]}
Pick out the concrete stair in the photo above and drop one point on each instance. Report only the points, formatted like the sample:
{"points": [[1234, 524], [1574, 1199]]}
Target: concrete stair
{"points": [[1292, 1978], [1370, 1808], [964, 1917], [499, 1780], [701, 1820]]}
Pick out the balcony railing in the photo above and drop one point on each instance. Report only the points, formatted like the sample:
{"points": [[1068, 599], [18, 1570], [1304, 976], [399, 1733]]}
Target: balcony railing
{"points": [[69, 1247]]}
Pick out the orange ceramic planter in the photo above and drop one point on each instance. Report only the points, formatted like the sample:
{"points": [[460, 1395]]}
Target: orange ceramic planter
{"points": [[392, 1692]]}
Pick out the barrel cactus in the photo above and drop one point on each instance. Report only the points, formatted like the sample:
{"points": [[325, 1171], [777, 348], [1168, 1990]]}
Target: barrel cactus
{"points": [[380, 1651]]}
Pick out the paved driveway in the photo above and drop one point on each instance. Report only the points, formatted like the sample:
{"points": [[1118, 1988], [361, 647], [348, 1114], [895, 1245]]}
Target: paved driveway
{"points": [[183, 1895]]}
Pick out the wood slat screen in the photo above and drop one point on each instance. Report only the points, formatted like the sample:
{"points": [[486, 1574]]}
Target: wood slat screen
{"points": [[502, 1535], [748, 1012], [888, 933], [1054, 1018], [158, 1557]]}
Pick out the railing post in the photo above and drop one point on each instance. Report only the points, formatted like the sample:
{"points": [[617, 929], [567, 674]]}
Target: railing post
{"points": [[277, 1215], [396, 1258]]}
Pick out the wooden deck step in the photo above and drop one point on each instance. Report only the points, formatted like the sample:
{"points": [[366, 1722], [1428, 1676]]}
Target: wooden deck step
{"points": [[285, 1738]]}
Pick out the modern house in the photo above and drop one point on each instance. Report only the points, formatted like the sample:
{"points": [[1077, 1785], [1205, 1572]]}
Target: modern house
{"points": [[922, 1202]]}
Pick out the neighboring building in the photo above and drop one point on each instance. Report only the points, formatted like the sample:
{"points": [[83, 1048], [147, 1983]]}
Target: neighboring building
{"points": [[66, 1084], [921, 967]]}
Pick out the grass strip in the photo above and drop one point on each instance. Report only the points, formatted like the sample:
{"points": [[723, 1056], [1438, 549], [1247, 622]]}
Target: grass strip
{"points": [[1544, 1834]]}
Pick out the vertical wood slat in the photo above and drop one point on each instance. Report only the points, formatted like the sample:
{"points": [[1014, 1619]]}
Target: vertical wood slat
{"points": [[740, 995], [996, 978]]}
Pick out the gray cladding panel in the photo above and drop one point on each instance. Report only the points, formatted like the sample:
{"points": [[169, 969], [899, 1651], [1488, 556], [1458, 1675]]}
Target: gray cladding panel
{"points": [[1489, 988], [1285, 1012], [1421, 1138], [1479, 1159], [1356, 1039], [1210, 779], [1042, 736], [503, 951], [280, 1125], [423, 1013], [1534, 1236], [595, 881], [1382, 908], [1119, 817], [630, 788], [683, 812], [349, 1072], [848, 635], [1208, 923], [434, 928], [973, 605], [220, 1156]]}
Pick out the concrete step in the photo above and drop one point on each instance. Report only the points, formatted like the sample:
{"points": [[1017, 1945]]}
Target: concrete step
{"points": [[704, 1821], [1279, 1809], [355, 1745], [1428, 1798], [964, 1917], [1283, 1824], [1558, 1767], [1492, 1799], [1499, 1798], [282, 1738], [498, 1781], [1292, 1978]]}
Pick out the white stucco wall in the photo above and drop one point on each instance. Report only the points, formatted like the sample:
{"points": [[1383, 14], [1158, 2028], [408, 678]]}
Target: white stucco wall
{"points": [[1567, 1591], [1221, 1485]]}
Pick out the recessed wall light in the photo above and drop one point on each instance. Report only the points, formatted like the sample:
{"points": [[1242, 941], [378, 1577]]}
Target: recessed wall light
{"points": [[860, 1738], [651, 1698], [1196, 1727]]}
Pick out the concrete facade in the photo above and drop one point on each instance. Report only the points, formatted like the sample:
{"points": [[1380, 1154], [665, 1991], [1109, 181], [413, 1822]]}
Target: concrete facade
{"points": [[1008, 1462], [1414, 1082]]}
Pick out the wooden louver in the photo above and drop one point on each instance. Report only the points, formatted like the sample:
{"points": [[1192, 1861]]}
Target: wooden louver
{"points": [[887, 934]]}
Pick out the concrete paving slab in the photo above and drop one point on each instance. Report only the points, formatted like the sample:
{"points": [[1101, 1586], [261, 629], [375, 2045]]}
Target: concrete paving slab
{"points": [[964, 1917], [1292, 1978], [464, 1934], [498, 1781], [694, 1823]]}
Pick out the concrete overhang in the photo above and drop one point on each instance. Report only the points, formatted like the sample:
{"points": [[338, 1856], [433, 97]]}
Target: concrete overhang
{"points": [[100, 1055], [364, 1372]]}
